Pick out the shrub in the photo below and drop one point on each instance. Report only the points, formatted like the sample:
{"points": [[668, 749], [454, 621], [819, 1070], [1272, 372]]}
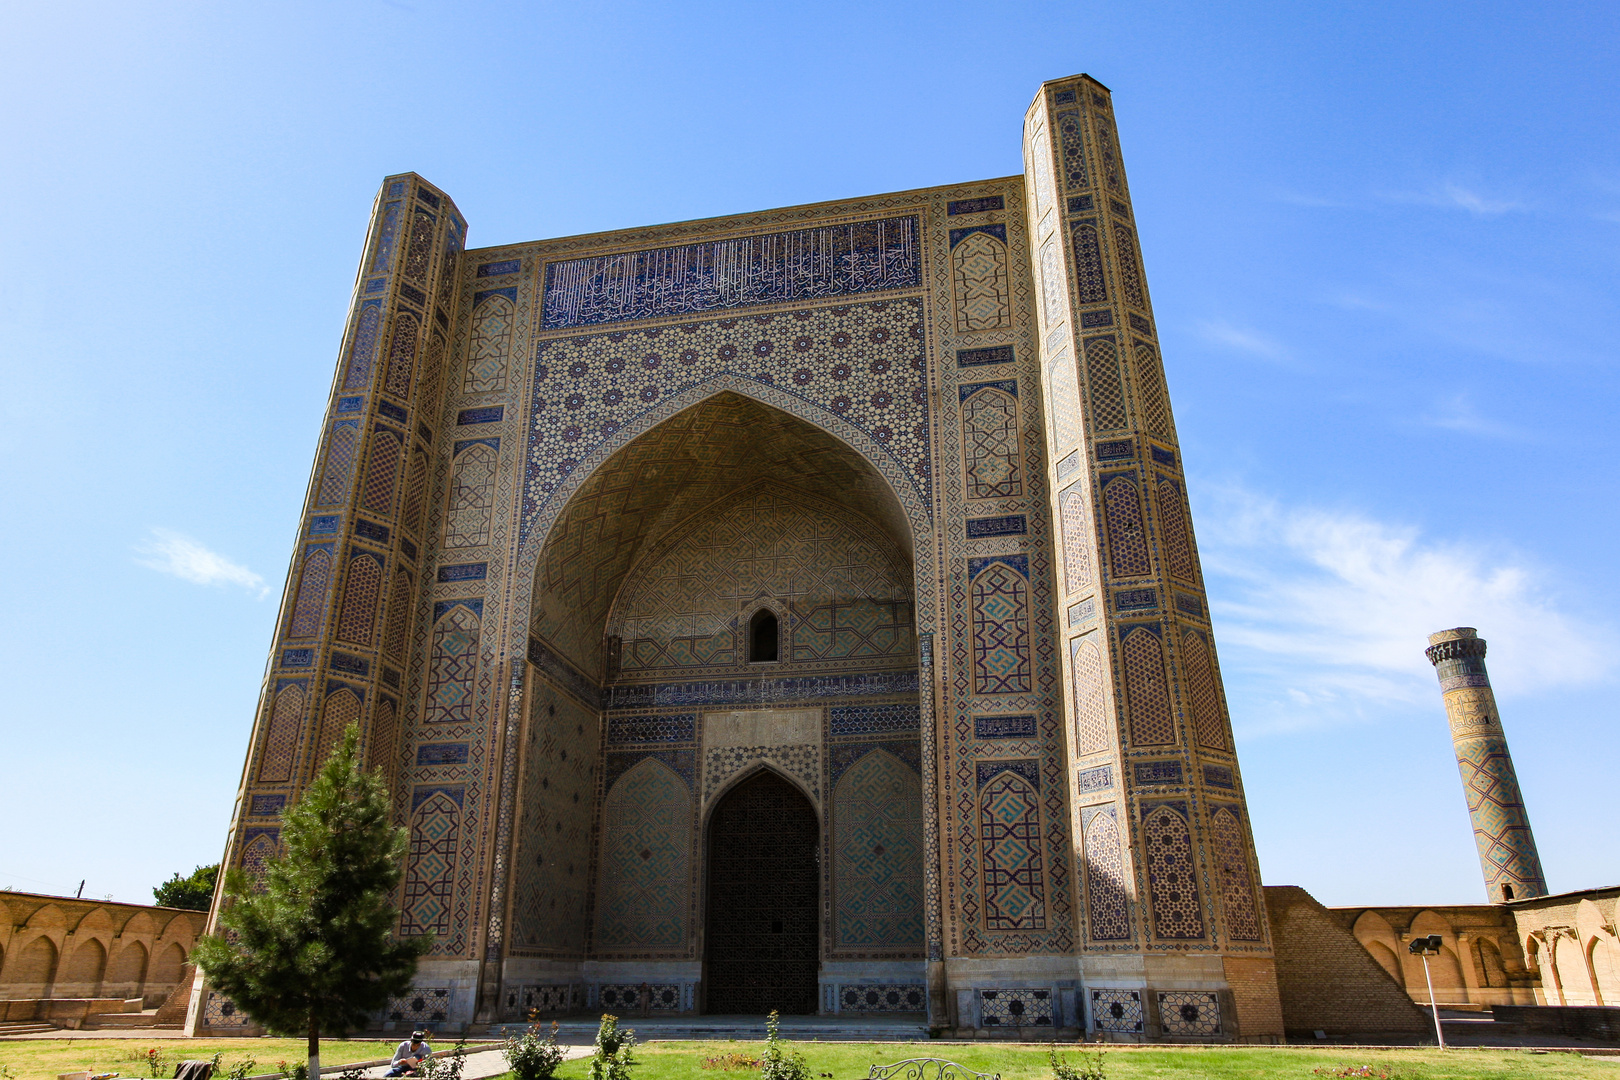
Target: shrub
{"points": [[613, 1056], [780, 1061], [734, 1061], [1090, 1068], [448, 1067], [531, 1057]]}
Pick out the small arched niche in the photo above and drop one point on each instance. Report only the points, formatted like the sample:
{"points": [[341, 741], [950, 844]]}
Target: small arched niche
{"points": [[764, 637]]}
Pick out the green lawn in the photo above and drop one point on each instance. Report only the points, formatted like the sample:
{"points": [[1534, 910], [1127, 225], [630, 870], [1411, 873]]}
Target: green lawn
{"points": [[43, 1059], [850, 1061]]}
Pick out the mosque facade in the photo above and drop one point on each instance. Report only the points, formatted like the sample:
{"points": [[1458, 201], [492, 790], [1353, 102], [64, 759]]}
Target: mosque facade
{"points": [[798, 610]]}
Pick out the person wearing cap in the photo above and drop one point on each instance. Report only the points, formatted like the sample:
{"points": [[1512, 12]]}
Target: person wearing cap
{"points": [[410, 1054]]}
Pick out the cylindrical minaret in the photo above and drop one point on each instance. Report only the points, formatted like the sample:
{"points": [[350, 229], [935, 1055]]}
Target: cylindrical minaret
{"points": [[1507, 848]]}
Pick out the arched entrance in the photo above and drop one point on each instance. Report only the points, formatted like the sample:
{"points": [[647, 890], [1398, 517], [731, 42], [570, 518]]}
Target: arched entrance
{"points": [[762, 944]]}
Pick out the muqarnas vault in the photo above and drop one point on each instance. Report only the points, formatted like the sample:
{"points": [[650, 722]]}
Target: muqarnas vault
{"points": [[793, 610]]}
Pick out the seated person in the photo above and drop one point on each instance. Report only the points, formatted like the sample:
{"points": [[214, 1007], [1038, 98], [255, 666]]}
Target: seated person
{"points": [[410, 1054]]}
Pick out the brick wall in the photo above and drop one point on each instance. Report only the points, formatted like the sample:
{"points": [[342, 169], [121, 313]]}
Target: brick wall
{"points": [[1326, 980], [1253, 981]]}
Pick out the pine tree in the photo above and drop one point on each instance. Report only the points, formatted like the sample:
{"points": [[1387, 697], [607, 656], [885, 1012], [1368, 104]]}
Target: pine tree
{"points": [[310, 948]]}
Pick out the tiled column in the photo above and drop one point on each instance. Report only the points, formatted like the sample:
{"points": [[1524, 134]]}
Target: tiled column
{"points": [[340, 642], [1172, 904], [1507, 848]]}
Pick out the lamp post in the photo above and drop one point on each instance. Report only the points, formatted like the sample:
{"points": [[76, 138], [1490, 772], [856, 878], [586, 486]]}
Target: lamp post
{"points": [[1426, 947]]}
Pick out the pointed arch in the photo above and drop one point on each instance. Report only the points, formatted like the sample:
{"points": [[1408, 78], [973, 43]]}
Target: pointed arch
{"points": [[1106, 391], [1127, 538], [80, 974], [1150, 387], [1090, 703], [1000, 601], [256, 857], [1074, 523], [1107, 888], [1209, 720], [415, 489], [877, 849], [645, 857], [382, 469], [281, 738], [341, 447], [165, 969], [1010, 852], [472, 496], [1152, 722], [341, 708], [491, 337], [363, 351], [1178, 553], [33, 969], [435, 830], [1230, 844], [402, 356], [1130, 267], [979, 275], [384, 737], [314, 581], [453, 664], [361, 587], [400, 604], [127, 971], [1178, 913], [990, 444]]}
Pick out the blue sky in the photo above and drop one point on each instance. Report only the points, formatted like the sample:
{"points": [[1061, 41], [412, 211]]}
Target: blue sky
{"points": [[1382, 242]]}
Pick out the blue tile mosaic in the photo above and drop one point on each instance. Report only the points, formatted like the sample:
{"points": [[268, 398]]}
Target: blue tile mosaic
{"points": [[510, 292], [1029, 770], [1068, 465], [975, 206], [997, 231], [1091, 319], [1119, 208], [997, 726], [323, 524], [473, 604], [1140, 325], [1117, 450], [298, 658], [806, 264], [1080, 204], [1082, 612], [488, 415], [1063, 97], [462, 444], [412, 294], [565, 674], [392, 411], [428, 197], [1006, 525], [1136, 599], [652, 729], [869, 719], [408, 548], [618, 762], [370, 530], [456, 793], [840, 756], [967, 390], [376, 285], [1219, 776], [453, 753], [1158, 772], [267, 805], [496, 269], [424, 431], [351, 665], [993, 354], [1163, 456], [390, 676], [752, 691], [1100, 778], [350, 404], [396, 188], [464, 572], [1017, 562], [1189, 605]]}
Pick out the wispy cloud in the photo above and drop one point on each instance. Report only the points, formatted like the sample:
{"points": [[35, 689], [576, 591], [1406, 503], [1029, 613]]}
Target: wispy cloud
{"points": [[1242, 340], [1456, 197], [170, 552], [1458, 413], [1324, 614]]}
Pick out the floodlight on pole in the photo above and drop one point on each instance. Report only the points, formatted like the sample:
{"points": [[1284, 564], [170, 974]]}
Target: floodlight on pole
{"points": [[1424, 947]]}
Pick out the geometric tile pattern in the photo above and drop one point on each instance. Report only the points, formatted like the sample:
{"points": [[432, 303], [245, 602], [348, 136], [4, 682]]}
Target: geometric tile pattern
{"points": [[1107, 396], [1130, 270], [1090, 712], [341, 448], [1507, 849], [453, 666], [1015, 1008], [1108, 908], [800, 761], [221, 1011], [491, 340], [1199, 674], [341, 709], [1152, 723], [645, 857], [1173, 527], [1127, 539], [472, 495], [364, 349], [1117, 1011], [430, 867], [401, 355], [1172, 875], [422, 1005], [1150, 386], [281, 741], [979, 271], [625, 997], [361, 586], [1089, 273], [1001, 661], [1189, 1012], [871, 997], [872, 719], [1010, 838], [382, 467], [1074, 522], [313, 585], [1232, 873], [990, 441], [877, 854]]}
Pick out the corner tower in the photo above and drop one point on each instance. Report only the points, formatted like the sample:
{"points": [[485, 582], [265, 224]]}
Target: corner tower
{"points": [[350, 600], [1507, 848], [1173, 921]]}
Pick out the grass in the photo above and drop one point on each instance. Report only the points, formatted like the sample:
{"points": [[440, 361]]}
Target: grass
{"points": [[850, 1061], [34, 1059]]}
